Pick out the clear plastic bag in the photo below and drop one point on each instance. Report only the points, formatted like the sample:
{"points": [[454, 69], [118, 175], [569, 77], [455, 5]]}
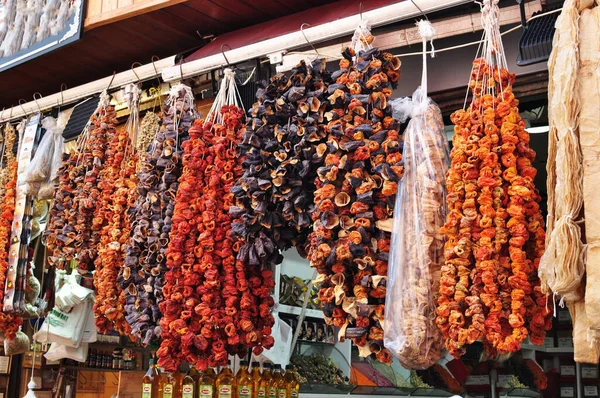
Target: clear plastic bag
{"points": [[416, 252], [43, 168]]}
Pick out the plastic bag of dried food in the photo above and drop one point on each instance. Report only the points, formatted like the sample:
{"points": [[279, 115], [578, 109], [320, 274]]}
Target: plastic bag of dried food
{"points": [[416, 252]]}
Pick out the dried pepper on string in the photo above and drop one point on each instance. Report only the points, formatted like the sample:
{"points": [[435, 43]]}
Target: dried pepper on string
{"points": [[9, 323], [208, 308], [356, 191], [111, 225], [489, 289]]}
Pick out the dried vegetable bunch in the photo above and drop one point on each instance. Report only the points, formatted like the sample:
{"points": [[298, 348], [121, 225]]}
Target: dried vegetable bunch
{"points": [[356, 192], [142, 277], [210, 309], [274, 197], [416, 254], [9, 323], [148, 129], [69, 231], [111, 224], [489, 289]]}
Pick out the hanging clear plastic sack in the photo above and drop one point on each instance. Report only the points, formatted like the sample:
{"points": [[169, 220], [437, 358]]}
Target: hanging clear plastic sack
{"points": [[416, 252], [43, 168]]}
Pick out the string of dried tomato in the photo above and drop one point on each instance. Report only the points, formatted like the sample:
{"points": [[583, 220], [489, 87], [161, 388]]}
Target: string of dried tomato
{"points": [[9, 323], [355, 195]]}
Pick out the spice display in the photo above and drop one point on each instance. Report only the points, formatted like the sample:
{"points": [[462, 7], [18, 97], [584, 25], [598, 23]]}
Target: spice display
{"points": [[562, 268], [356, 189], [494, 228], [9, 323], [142, 277], [318, 369], [416, 253], [69, 231]]}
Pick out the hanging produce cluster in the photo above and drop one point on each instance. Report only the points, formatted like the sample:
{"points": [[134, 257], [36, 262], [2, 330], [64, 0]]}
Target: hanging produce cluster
{"points": [[356, 189], [489, 289], [9, 323], [69, 231], [111, 225], [142, 277]]}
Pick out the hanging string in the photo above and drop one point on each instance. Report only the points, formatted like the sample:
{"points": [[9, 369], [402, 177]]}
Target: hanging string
{"points": [[186, 102], [362, 38], [132, 97]]}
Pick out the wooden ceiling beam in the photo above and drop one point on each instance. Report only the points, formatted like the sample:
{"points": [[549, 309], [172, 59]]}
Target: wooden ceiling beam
{"points": [[103, 12]]}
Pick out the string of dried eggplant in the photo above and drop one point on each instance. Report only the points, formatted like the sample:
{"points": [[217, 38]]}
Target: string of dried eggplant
{"points": [[355, 196]]}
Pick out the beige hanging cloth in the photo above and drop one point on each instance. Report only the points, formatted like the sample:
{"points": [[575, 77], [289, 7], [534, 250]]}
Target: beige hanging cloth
{"points": [[589, 132], [561, 268]]}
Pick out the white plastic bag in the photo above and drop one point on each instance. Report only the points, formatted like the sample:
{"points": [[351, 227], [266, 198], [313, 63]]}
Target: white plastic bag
{"points": [[416, 251], [280, 352], [58, 351]]}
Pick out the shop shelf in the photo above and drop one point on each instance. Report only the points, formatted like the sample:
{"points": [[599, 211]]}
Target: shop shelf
{"points": [[288, 309], [394, 391], [320, 388], [549, 350], [80, 369], [520, 392]]}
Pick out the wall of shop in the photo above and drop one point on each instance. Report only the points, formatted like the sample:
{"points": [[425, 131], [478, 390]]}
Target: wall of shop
{"points": [[102, 12], [450, 69]]}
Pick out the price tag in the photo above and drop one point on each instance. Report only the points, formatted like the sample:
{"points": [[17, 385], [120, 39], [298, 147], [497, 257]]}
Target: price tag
{"points": [[590, 391], [565, 342], [567, 370], [548, 342], [567, 392], [589, 372], [503, 381], [480, 380], [564, 316]]}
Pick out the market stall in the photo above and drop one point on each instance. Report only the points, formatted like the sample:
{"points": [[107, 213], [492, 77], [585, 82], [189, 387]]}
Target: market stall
{"points": [[327, 237]]}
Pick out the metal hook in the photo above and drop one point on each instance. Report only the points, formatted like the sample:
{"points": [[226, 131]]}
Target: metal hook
{"points": [[224, 56], [306, 38], [181, 71], [419, 8], [21, 105], [36, 103], [133, 70], [62, 98], [154, 66], [360, 10], [111, 80]]}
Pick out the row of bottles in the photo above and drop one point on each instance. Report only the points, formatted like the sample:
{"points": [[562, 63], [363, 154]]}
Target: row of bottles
{"points": [[270, 383]]}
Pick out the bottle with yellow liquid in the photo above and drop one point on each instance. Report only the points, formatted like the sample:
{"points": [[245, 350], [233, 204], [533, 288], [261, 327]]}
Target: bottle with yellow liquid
{"points": [[151, 382], [244, 381], [225, 383], [188, 384], [269, 374], [206, 384], [256, 378], [279, 382], [291, 382], [169, 385]]}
